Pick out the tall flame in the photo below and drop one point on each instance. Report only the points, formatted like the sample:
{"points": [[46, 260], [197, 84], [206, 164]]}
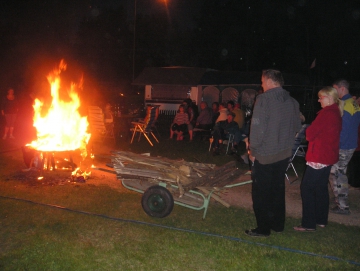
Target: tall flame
{"points": [[62, 128]]}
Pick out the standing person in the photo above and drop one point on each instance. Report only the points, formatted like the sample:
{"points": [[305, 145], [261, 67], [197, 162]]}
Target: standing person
{"points": [[323, 151], [9, 109], [275, 122], [348, 144], [108, 115]]}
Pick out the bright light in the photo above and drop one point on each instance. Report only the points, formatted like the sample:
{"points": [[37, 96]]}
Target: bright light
{"points": [[61, 128]]}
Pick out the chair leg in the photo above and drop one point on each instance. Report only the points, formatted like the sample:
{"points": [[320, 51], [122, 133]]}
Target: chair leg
{"points": [[230, 141], [154, 137], [148, 139], [144, 133], [133, 135], [296, 174]]}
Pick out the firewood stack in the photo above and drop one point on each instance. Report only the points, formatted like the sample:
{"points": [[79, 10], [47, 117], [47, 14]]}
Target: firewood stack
{"points": [[186, 175]]}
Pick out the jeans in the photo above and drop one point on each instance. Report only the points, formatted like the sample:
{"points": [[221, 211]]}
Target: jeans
{"points": [[315, 197], [338, 179]]}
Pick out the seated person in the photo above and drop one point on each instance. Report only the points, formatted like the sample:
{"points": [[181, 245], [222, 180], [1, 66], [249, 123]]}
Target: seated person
{"points": [[240, 120], [215, 112], [222, 130], [223, 111], [180, 124], [204, 120]]}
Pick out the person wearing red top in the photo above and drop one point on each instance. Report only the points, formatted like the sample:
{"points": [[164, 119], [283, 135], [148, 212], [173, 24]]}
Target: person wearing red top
{"points": [[323, 151]]}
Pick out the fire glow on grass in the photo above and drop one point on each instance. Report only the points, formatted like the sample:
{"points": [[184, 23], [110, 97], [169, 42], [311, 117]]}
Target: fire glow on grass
{"points": [[62, 128]]}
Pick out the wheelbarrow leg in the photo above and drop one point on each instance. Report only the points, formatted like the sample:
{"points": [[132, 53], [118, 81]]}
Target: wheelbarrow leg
{"points": [[206, 203]]}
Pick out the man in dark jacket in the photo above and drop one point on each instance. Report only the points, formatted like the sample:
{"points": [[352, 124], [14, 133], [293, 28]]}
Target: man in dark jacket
{"points": [[274, 124]]}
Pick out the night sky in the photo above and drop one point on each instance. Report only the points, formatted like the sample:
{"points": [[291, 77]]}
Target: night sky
{"points": [[97, 37]]}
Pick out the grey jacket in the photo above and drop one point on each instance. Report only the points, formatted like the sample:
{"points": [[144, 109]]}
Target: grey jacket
{"points": [[274, 124]]}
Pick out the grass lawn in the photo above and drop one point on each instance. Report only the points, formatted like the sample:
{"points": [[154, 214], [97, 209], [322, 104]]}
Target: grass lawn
{"points": [[102, 228]]}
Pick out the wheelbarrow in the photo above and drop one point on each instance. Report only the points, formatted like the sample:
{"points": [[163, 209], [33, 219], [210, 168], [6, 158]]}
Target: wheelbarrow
{"points": [[164, 182]]}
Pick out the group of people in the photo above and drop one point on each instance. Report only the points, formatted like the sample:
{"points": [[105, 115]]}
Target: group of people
{"points": [[222, 119], [332, 139], [188, 117]]}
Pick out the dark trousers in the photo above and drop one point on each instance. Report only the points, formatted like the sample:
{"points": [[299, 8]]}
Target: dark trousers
{"points": [[315, 197], [268, 195]]}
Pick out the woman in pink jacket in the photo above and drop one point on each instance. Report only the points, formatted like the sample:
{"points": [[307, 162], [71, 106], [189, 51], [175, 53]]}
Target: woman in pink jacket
{"points": [[323, 151]]}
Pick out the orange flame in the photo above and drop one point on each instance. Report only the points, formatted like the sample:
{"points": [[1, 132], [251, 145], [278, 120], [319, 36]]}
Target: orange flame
{"points": [[62, 128]]}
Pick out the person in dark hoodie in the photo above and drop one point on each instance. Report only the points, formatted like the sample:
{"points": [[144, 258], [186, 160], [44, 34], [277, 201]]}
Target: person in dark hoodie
{"points": [[274, 123]]}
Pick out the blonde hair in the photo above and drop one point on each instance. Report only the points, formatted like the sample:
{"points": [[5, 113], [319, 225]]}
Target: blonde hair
{"points": [[331, 92]]}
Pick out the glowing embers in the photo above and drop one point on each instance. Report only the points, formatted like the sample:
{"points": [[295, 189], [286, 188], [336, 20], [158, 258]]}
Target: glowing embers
{"points": [[38, 160], [80, 176]]}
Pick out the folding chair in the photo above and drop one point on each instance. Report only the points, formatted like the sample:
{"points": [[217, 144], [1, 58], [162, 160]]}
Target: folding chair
{"points": [[297, 150], [145, 127], [97, 124], [230, 141], [227, 142]]}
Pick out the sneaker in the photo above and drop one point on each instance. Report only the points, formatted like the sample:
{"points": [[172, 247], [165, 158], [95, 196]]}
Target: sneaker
{"points": [[340, 211], [12, 137], [4, 137], [256, 233]]}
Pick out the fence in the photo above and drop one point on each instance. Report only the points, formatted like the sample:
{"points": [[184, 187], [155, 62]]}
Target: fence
{"points": [[165, 119]]}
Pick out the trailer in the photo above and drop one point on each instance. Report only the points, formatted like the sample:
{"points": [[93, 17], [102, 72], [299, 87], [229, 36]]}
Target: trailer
{"points": [[165, 182]]}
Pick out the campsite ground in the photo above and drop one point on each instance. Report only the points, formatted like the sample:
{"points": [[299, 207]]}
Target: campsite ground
{"points": [[239, 197]]}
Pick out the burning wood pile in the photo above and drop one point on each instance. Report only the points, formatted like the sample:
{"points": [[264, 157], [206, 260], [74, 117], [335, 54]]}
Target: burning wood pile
{"points": [[186, 175], [60, 129]]}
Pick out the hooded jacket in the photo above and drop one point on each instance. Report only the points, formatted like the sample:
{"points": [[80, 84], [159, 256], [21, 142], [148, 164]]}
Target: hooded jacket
{"points": [[274, 123]]}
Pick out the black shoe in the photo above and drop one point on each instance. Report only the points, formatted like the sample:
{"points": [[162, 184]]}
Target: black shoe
{"points": [[278, 231], [255, 233], [340, 211]]}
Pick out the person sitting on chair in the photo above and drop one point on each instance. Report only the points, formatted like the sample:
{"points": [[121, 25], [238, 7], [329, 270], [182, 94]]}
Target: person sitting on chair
{"points": [[204, 120], [223, 111], [222, 130], [180, 124], [215, 112]]}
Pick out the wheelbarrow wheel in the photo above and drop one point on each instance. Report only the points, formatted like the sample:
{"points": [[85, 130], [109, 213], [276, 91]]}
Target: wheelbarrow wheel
{"points": [[157, 201]]}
